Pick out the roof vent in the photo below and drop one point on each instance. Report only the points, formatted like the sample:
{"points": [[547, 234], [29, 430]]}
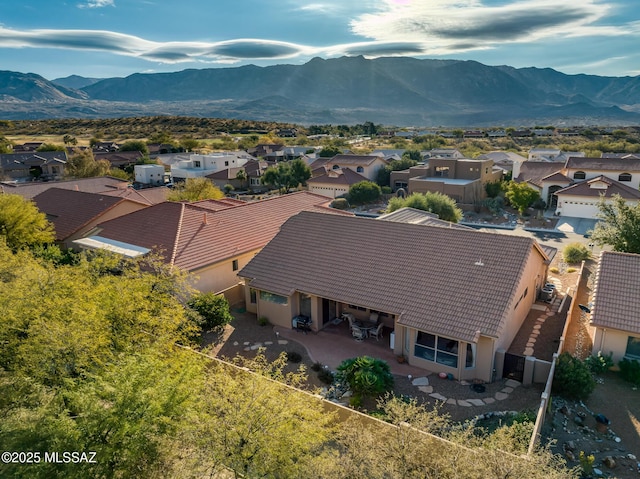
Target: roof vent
{"points": [[204, 218], [479, 262]]}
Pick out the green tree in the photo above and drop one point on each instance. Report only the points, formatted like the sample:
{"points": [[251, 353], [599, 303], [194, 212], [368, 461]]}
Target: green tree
{"points": [[70, 140], [437, 203], [366, 376], [50, 147], [412, 155], [521, 196], [329, 151], [286, 175], [195, 189], [22, 224], [135, 145], [241, 176], [5, 145], [214, 309], [300, 172], [364, 192], [572, 378], [619, 225], [383, 175], [82, 164], [190, 144]]}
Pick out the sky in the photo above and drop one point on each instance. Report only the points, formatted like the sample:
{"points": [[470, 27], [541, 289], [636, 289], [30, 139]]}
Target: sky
{"points": [[116, 38]]}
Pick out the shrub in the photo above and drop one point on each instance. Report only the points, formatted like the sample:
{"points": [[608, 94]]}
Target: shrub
{"points": [[386, 190], [326, 376], [364, 192], [294, 357], [263, 321], [571, 270], [214, 309], [575, 253], [340, 204], [572, 378], [316, 366], [554, 270], [366, 375], [599, 364], [630, 370]]}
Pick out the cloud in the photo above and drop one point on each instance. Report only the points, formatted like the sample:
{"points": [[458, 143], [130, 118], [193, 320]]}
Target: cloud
{"points": [[445, 26], [97, 4]]}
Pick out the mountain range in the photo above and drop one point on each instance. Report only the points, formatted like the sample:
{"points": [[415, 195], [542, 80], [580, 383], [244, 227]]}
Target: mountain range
{"points": [[347, 90]]}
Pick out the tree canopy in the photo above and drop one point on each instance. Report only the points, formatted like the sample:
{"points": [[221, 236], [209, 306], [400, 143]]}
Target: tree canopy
{"points": [[195, 189], [437, 203], [82, 164], [619, 225], [286, 175], [364, 192], [22, 224], [521, 196]]}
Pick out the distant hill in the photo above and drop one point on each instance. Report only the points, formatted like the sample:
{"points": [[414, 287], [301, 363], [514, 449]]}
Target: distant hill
{"points": [[391, 91], [75, 81]]}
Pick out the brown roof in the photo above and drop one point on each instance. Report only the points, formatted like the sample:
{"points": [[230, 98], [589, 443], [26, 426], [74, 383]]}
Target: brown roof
{"points": [[192, 236], [345, 176], [616, 301], [613, 188], [70, 210], [354, 159], [609, 164], [557, 177], [148, 196], [453, 282], [226, 174], [88, 185], [535, 171], [419, 217]]}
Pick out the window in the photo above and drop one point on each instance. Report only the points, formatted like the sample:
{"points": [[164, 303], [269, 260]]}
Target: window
{"points": [[360, 169], [196, 164], [442, 171], [226, 163], [470, 361], [252, 296], [336, 167], [579, 175], [438, 349], [273, 298], [234, 264], [624, 177], [633, 348]]}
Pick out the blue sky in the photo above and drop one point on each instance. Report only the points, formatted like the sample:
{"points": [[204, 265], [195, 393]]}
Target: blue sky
{"points": [[115, 38]]}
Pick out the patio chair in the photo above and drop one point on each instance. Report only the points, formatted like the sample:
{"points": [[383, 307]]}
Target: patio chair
{"points": [[377, 332], [373, 318], [358, 333]]}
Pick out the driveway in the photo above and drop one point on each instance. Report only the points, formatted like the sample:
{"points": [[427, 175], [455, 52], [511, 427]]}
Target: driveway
{"points": [[580, 226]]}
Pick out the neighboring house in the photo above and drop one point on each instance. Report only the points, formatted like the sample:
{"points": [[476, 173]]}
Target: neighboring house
{"points": [[581, 200], [506, 160], [615, 314], [105, 146], [45, 165], [453, 297], [334, 183], [443, 153], [101, 184], [624, 170], [147, 196], [211, 239], [149, 174], [365, 165], [543, 154], [198, 166], [119, 159], [228, 176], [28, 146], [264, 149], [75, 213], [532, 172], [419, 217]]}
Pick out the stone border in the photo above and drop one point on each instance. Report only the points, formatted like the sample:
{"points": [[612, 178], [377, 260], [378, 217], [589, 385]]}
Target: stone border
{"points": [[422, 383]]}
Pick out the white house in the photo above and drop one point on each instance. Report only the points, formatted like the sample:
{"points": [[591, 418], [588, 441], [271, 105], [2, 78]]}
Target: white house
{"points": [[202, 165], [624, 170], [581, 200], [149, 174]]}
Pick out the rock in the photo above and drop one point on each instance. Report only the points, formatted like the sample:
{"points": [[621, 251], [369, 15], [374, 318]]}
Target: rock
{"points": [[570, 455], [631, 457], [609, 461], [578, 420], [617, 439], [582, 414], [570, 446], [564, 410], [597, 472]]}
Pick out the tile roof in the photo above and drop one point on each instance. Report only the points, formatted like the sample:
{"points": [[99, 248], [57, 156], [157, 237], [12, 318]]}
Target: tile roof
{"points": [[453, 282], [616, 301], [148, 196], [584, 188], [70, 210], [557, 177], [344, 176], [192, 236], [88, 185], [608, 164], [534, 171], [354, 159], [419, 217]]}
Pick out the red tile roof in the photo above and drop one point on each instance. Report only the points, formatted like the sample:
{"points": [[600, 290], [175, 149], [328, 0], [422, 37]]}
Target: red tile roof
{"points": [[345, 176], [453, 282], [88, 185], [613, 188], [70, 210], [192, 236], [148, 196], [616, 301]]}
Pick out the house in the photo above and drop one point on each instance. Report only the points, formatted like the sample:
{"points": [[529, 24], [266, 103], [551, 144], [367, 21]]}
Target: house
{"points": [[46, 165], [443, 153], [101, 184], [211, 239], [198, 166], [580, 200], [543, 154], [334, 183], [506, 160], [264, 149], [75, 213], [365, 165], [149, 174], [119, 159], [615, 314], [419, 217], [453, 297], [105, 146], [625, 170]]}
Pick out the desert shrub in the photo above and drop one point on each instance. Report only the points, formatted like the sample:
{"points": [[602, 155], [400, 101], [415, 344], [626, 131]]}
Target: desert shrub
{"points": [[316, 366], [263, 321], [386, 190], [630, 370], [364, 192], [571, 270], [599, 364], [554, 270], [214, 309], [340, 204], [573, 378], [294, 357], [366, 375], [575, 253], [326, 376]]}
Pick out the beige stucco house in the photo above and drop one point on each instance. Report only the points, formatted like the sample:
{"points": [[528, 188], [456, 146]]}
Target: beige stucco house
{"points": [[451, 297], [615, 313]]}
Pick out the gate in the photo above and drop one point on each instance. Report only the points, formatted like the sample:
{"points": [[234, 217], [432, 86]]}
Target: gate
{"points": [[513, 367]]}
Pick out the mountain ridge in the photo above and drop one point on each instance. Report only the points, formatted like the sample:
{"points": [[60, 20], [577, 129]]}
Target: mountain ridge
{"points": [[390, 90]]}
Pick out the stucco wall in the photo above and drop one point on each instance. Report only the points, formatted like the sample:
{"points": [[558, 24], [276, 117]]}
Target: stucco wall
{"points": [[611, 341], [220, 276]]}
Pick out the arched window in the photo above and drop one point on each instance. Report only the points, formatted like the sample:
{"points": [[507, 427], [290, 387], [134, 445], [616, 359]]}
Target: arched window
{"points": [[360, 169], [336, 167], [624, 177], [579, 175]]}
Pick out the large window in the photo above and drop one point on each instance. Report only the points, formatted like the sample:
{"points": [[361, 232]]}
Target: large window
{"points": [[624, 177], [273, 298], [252, 296], [441, 171], [438, 349], [579, 175], [633, 348]]}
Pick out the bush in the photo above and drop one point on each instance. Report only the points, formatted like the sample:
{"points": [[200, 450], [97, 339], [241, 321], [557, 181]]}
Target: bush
{"points": [[366, 375], [630, 371], [386, 190], [340, 204], [316, 366], [326, 376], [294, 357], [575, 253], [364, 192], [263, 321], [213, 308], [554, 270], [572, 378], [599, 364]]}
